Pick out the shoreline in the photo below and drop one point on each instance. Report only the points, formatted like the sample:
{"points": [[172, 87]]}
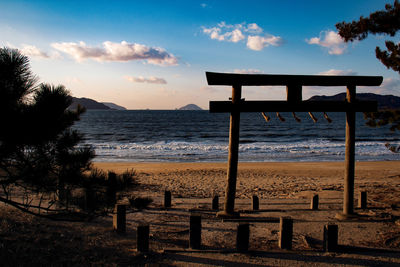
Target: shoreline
{"points": [[120, 166], [267, 180]]}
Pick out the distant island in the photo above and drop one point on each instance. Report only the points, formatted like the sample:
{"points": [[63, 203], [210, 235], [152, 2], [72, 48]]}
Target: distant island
{"points": [[384, 101], [93, 104], [190, 107], [113, 106]]}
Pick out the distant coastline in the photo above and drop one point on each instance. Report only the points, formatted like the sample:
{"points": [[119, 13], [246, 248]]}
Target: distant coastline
{"points": [[384, 102], [93, 104]]}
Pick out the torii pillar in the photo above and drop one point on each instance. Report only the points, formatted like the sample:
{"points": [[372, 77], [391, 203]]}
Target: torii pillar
{"points": [[349, 167], [233, 155]]}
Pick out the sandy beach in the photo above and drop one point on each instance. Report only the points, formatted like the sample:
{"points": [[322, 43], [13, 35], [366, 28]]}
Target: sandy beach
{"points": [[372, 238], [266, 179], [284, 189]]}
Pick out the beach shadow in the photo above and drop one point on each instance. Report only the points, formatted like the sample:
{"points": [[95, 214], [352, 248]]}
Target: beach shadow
{"points": [[261, 210], [166, 224], [392, 253], [189, 259], [180, 243], [253, 219], [279, 256], [329, 258], [285, 204]]}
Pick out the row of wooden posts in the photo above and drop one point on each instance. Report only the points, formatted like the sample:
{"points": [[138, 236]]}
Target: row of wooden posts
{"points": [[330, 238], [362, 201], [330, 234]]}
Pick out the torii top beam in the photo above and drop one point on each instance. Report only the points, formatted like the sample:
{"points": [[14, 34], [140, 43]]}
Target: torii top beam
{"points": [[214, 78], [294, 85]]}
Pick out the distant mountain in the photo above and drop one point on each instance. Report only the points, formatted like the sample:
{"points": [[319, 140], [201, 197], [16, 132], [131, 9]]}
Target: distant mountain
{"points": [[113, 106], [87, 103], [190, 107], [384, 101]]}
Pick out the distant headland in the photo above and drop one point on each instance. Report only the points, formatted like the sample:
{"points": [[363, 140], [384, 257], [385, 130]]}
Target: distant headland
{"points": [[384, 101], [93, 104]]}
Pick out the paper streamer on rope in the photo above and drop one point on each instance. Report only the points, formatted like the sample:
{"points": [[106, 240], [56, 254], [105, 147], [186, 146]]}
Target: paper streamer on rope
{"points": [[312, 117], [280, 117], [327, 118], [295, 117], [266, 118]]}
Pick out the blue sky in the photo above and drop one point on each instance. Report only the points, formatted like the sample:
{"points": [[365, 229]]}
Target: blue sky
{"points": [[154, 54]]}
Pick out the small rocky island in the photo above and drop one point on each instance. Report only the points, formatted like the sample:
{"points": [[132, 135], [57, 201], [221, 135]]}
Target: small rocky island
{"points": [[190, 107]]}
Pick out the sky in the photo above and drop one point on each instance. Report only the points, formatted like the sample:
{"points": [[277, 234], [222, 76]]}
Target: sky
{"points": [[154, 54]]}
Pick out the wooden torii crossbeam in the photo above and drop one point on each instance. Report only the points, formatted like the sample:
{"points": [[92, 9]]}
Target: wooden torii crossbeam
{"points": [[294, 103]]}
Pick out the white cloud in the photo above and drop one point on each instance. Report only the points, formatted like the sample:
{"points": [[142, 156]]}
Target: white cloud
{"points": [[254, 28], [248, 71], [214, 33], [203, 5], [141, 79], [338, 72], [33, 51], [238, 32], [389, 86], [236, 35], [330, 40], [232, 36], [258, 42], [123, 51]]}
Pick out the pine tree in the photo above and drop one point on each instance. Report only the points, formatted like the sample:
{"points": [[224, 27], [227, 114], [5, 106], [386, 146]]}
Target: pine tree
{"points": [[384, 22], [43, 165]]}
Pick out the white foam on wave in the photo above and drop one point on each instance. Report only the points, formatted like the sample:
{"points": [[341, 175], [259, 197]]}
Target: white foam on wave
{"points": [[257, 151]]}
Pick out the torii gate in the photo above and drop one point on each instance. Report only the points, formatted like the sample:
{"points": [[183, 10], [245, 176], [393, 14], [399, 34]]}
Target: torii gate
{"points": [[294, 103]]}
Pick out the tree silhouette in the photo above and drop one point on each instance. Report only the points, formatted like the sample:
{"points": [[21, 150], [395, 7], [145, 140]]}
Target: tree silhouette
{"points": [[41, 158], [386, 22]]}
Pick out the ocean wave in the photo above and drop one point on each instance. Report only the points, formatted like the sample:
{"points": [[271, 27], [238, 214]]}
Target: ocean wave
{"points": [[201, 151], [201, 136]]}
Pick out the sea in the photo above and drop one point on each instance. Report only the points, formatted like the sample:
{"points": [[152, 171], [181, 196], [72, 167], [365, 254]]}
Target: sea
{"points": [[201, 136]]}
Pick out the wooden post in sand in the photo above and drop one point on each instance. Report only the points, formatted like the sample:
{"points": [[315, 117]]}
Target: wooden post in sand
{"points": [[348, 198], [233, 156], [142, 238], [215, 203], [195, 232], [314, 202], [330, 241], [119, 218], [362, 200], [285, 233], [242, 237], [167, 199], [256, 203]]}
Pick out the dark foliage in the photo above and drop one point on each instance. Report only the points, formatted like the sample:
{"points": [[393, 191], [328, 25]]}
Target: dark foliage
{"points": [[39, 152], [380, 22], [385, 22], [101, 190]]}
